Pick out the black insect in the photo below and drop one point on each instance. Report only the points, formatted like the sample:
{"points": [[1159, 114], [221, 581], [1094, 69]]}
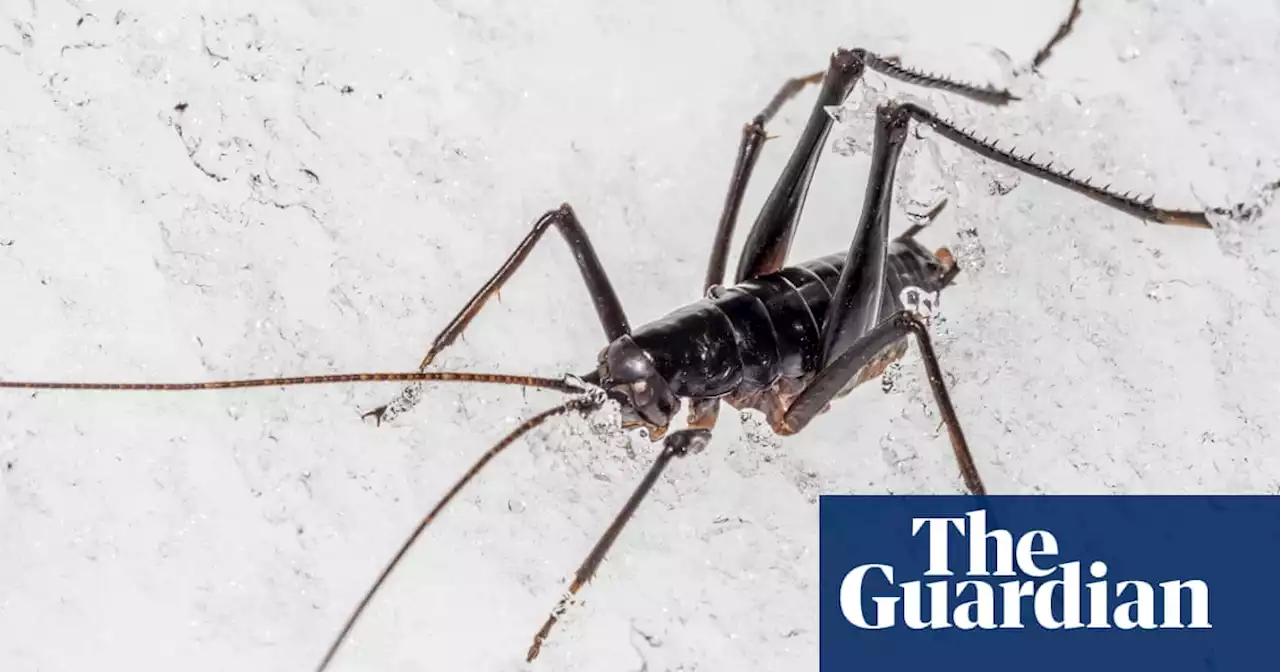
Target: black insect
{"points": [[783, 340]]}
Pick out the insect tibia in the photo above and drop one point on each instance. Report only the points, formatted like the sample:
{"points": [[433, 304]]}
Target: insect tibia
{"points": [[1143, 209], [982, 94]]}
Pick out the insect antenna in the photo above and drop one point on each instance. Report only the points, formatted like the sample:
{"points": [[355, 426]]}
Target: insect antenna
{"points": [[559, 384], [588, 398], [584, 403]]}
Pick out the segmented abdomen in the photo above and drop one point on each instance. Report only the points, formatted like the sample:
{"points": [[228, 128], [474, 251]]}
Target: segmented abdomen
{"points": [[748, 336]]}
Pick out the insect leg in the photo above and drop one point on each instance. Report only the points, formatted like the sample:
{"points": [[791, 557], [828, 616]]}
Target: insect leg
{"points": [[770, 237], [836, 375], [753, 138], [853, 334], [677, 444], [856, 303], [1064, 29], [983, 94], [608, 307], [859, 293], [1126, 203], [988, 95]]}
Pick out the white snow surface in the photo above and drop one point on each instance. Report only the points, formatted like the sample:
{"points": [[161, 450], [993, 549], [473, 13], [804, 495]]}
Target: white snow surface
{"points": [[235, 530]]}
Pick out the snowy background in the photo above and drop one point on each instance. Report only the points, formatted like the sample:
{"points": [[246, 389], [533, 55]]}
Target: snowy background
{"points": [[203, 190]]}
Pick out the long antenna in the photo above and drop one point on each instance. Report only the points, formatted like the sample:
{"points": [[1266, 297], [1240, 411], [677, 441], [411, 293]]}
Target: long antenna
{"points": [[584, 403], [592, 399], [560, 384]]}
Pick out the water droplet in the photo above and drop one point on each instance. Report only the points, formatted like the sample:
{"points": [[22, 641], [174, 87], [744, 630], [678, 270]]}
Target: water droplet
{"points": [[969, 252], [855, 123], [923, 179], [1001, 180], [889, 379]]}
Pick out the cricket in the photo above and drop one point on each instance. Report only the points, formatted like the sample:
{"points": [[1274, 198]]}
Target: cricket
{"points": [[787, 338]]}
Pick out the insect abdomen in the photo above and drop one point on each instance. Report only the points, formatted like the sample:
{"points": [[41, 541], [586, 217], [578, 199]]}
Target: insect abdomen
{"points": [[746, 337]]}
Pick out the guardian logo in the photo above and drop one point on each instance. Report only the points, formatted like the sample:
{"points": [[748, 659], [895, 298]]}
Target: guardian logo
{"points": [[1049, 583], [978, 600]]}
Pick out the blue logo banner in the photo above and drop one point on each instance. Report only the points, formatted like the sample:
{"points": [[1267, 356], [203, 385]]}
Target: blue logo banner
{"points": [[1048, 583]]}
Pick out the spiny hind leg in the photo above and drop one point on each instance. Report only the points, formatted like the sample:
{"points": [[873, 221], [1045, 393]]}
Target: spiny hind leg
{"points": [[769, 239]]}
